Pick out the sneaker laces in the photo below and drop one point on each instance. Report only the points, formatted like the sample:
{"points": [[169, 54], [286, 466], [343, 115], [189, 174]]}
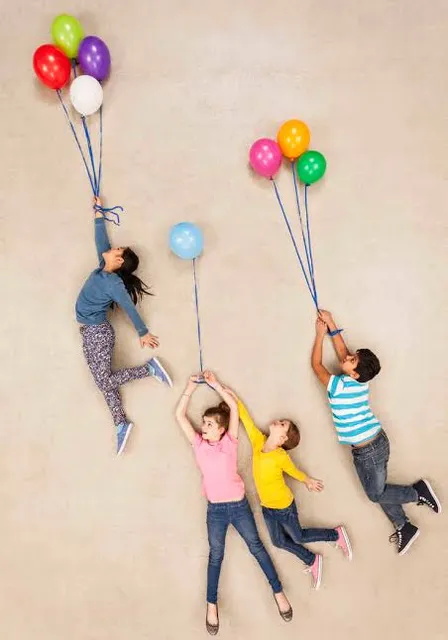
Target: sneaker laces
{"points": [[424, 500], [396, 537]]}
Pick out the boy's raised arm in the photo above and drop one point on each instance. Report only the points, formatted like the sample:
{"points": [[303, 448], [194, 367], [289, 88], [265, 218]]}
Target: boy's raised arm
{"points": [[338, 341], [316, 356]]}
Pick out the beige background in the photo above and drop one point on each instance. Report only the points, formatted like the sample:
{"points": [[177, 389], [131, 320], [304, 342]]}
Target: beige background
{"points": [[95, 548]]}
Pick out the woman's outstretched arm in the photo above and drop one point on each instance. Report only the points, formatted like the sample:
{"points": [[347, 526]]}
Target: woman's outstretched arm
{"points": [[101, 238]]}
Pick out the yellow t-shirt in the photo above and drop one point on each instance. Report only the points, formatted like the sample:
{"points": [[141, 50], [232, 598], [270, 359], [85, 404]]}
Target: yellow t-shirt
{"points": [[268, 468]]}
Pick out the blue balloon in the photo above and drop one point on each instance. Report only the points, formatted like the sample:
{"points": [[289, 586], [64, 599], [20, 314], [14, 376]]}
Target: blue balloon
{"points": [[186, 240]]}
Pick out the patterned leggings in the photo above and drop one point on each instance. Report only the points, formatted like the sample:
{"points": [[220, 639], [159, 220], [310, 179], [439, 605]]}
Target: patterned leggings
{"points": [[98, 344]]}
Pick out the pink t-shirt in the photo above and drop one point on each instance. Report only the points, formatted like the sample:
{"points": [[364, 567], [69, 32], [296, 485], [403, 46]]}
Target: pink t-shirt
{"points": [[218, 464]]}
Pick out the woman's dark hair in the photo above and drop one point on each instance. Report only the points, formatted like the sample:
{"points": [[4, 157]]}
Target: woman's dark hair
{"points": [[221, 414], [134, 286], [368, 365]]}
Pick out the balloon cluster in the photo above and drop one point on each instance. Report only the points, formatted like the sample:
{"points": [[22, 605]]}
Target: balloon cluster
{"points": [[266, 157], [293, 140], [53, 63]]}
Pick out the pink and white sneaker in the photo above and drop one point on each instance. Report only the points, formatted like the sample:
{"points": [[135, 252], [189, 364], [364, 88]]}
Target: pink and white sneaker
{"points": [[316, 571], [343, 542]]}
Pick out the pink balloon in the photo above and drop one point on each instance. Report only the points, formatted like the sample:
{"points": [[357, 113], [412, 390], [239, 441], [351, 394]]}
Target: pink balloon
{"points": [[265, 157]]}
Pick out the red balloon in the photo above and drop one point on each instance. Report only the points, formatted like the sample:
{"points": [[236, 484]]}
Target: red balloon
{"points": [[51, 66]]}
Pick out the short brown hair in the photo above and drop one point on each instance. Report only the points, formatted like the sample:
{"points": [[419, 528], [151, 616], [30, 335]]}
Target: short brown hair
{"points": [[293, 437]]}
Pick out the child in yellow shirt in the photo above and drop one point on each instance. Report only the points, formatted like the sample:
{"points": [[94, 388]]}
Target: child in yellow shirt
{"points": [[270, 462]]}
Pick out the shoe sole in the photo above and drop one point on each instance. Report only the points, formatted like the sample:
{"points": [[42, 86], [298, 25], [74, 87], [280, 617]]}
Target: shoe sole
{"points": [[165, 373], [347, 542], [410, 543], [123, 444], [319, 573], [435, 498]]}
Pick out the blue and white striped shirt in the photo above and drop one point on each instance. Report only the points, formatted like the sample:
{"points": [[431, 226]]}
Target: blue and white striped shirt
{"points": [[352, 416]]}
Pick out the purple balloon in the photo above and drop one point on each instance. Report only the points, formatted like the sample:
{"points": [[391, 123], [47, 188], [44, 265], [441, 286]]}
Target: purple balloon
{"points": [[94, 57]]}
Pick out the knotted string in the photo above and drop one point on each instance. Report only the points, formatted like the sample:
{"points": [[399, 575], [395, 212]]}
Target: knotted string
{"points": [[293, 240], [112, 210], [307, 245], [198, 320]]}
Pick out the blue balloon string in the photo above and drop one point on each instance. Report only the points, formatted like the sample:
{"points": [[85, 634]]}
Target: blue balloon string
{"points": [[89, 147], [305, 243], [100, 163], [112, 210], [94, 183], [198, 321], [309, 236], [293, 240], [75, 135]]}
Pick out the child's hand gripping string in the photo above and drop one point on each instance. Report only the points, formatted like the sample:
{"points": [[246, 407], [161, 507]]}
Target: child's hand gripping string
{"points": [[321, 327]]}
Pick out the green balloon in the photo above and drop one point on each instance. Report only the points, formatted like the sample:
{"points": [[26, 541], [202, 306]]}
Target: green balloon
{"points": [[67, 34], [311, 166]]}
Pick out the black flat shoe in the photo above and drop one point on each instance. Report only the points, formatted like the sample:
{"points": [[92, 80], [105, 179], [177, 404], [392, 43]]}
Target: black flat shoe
{"points": [[285, 615], [212, 628]]}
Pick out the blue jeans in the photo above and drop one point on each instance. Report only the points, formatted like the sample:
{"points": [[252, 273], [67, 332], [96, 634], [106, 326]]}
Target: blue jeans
{"points": [[286, 532], [371, 466], [219, 516]]}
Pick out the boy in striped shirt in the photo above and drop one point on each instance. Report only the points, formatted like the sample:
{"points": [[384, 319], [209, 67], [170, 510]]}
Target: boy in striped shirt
{"points": [[357, 426]]}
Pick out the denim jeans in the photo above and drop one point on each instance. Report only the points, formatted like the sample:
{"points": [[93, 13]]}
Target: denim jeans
{"points": [[219, 516], [371, 466], [286, 532]]}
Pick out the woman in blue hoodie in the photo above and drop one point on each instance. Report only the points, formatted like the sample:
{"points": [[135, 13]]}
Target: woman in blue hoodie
{"points": [[114, 283]]}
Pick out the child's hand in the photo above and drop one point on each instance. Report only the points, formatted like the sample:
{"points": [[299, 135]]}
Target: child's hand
{"points": [[196, 378], [211, 379], [321, 327], [326, 316], [149, 341], [97, 202], [312, 484]]}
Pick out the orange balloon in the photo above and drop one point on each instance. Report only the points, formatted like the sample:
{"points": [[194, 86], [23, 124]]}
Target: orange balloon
{"points": [[293, 138]]}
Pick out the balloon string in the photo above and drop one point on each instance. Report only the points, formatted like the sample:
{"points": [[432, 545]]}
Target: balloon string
{"points": [[113, 210], [88, 140], [309, 239], [104, 210], [305, 243], [89, 146], [100, 163], [75, 135], [294, 242], [198, 321]]}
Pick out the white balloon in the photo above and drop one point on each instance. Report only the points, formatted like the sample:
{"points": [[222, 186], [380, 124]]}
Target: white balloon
{"points": [[86, 95]]}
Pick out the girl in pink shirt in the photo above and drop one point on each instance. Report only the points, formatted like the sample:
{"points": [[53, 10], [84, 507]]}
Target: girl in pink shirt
{"points": [[216, 452]]}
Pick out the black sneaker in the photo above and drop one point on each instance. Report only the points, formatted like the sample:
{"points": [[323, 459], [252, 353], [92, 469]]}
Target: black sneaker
{"points": [[427, 496], [405, 537]]}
